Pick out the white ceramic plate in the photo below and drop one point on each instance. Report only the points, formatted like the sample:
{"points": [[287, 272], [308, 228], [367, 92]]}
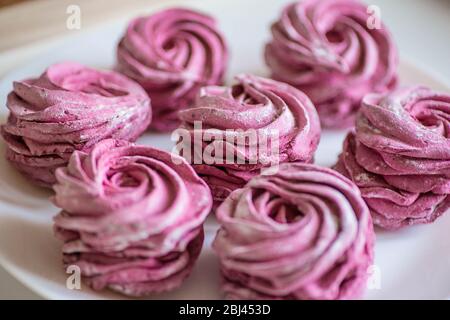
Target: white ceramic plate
{"points": [[413, 263]]}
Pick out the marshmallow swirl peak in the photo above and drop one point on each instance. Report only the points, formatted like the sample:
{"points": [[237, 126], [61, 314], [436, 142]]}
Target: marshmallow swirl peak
{"points": [[336, 51], [399, 156], [172, 54], [256, 123], [303, 232], [69, 107], [132, 217]]}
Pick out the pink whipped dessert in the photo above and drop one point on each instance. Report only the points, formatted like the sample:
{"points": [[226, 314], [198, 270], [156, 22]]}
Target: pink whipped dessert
{"points": [[69, 107], [172, 54], [303, 232], [131, 219], [399, 156], [335, 51], [256, 123]]}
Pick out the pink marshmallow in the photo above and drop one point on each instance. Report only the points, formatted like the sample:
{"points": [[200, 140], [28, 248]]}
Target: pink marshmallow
{"points": [[132, 217], [253, 105], [301, 233], [399, 156], [69, 107], [326, 49], [172, 54]]}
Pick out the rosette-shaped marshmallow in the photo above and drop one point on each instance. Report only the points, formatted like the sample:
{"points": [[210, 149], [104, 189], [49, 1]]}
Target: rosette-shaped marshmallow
{"points": [[399, 156], [132, 217], [172, 54], [303, 232], [69, 107], [239, 130], [336, 51]]}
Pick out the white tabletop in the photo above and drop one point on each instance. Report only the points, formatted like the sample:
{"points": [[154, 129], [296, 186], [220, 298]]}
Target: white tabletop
{"points": [[420, 28]]}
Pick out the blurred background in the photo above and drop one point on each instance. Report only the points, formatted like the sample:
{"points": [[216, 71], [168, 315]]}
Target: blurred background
{"points": [[420, 27], [421, 30]]}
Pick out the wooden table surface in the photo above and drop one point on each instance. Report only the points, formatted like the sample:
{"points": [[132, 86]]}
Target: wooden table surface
{"points": [[26, 21]]}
